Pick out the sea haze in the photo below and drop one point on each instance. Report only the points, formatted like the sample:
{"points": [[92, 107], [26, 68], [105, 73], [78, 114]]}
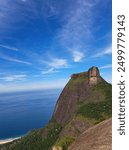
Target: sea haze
{"points": [[21, 112]]}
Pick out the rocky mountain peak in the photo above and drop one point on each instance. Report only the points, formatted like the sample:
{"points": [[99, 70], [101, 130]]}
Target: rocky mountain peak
{"points": [[94, 75], [93, 72], [77, 90]]}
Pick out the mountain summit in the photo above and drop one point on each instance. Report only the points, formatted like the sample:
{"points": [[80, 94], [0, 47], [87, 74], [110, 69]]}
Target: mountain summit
{"points": [[77, 90], [85, 101], [94, 76]]}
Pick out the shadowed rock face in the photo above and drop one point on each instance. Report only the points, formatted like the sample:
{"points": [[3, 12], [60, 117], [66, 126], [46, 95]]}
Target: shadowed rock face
{"points": [[77, 90], [98, 137]]}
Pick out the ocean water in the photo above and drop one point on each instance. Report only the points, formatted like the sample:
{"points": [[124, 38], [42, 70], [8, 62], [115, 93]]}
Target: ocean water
{"points": [[21, 112]]}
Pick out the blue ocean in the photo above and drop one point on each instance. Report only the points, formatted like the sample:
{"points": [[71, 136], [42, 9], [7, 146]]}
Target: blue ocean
{"points": [[21, 112]]}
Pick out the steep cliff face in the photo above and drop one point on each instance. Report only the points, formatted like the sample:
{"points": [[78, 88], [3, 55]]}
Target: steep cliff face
{"points": [[77, 90], [84, 102]]}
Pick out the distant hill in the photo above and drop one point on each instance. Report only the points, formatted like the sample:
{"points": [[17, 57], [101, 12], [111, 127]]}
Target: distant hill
{"points": [[85, 101]]}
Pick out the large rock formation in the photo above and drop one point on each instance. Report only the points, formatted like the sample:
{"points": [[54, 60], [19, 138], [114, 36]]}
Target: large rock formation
{"points": [[77, 90], [98, 137]]}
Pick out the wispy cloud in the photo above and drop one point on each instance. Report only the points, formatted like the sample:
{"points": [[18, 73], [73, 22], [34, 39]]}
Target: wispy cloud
{"points": [[19, 13], [10, 78], [106, 66], [104, 52], [77, 24], [49, 71], [9, 47], [57, 63], [23, 11], [77, 55], [8, 58]]}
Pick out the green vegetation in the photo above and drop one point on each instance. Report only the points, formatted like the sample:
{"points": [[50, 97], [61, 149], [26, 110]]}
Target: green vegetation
{"points": [[106, 87], [96, 112], [64, 142], [100, 110], [42, 139], [77, 79]]}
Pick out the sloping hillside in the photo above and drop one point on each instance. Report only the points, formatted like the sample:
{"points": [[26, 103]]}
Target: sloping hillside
{"points": [[98, 137]]}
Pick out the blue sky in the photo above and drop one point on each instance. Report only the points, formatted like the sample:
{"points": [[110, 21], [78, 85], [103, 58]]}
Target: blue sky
{"points": [[43, 42]]}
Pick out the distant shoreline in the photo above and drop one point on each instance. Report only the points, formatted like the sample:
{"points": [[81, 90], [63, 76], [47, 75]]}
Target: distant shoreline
{"points": [[9, 140]]}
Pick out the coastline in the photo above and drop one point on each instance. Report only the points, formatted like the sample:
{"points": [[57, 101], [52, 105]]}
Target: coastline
{"points": [[9, 140]]}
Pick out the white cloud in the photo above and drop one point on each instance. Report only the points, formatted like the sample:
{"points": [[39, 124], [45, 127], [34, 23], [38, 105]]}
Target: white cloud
{"points": [[9, 47], [10, 78], [106, 51], [106, 66], [77, 55], [8, 58], [49, 71], [58, 63]]}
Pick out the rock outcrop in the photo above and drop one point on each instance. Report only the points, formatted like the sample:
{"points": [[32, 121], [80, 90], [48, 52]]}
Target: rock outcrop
{"points": [[98, 137], [94, 76]]}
